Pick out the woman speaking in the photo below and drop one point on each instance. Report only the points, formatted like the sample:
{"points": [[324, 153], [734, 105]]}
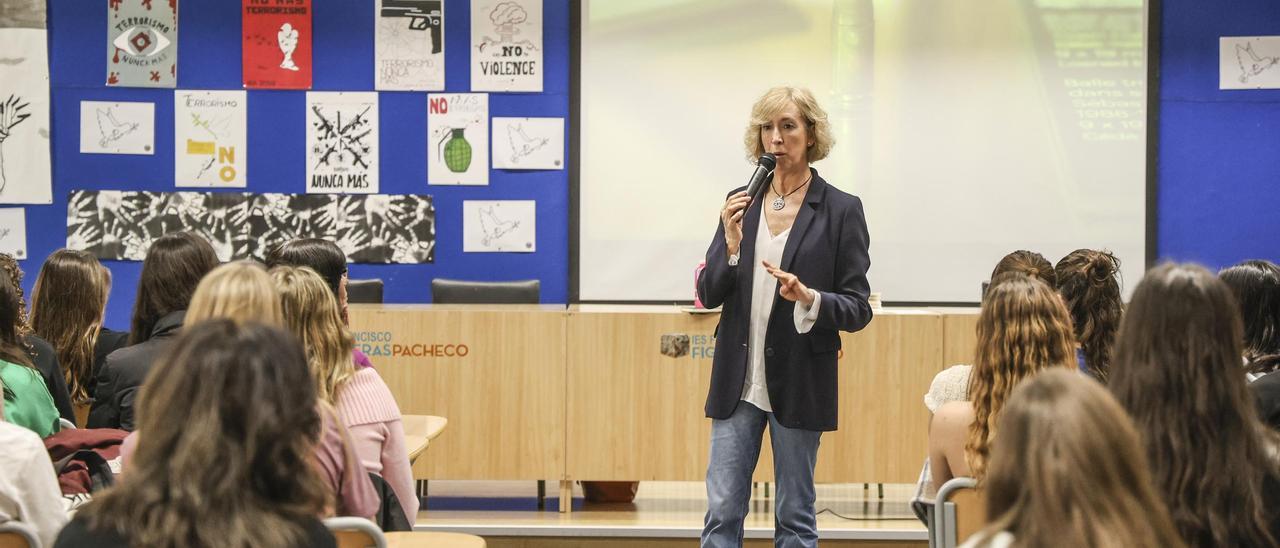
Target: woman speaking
{"points": [[790, 269]]}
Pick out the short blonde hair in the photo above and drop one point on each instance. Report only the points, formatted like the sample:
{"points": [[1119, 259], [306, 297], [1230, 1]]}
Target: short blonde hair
{"points": [[777, 100], [240, 291]]}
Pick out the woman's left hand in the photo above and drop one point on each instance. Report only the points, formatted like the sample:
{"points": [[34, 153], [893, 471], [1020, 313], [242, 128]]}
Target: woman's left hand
{"points": [[789, 286]]}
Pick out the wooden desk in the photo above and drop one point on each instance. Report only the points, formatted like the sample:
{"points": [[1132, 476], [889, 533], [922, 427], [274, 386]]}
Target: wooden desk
{"points": [[635, 414], [410, 539], [496, 372], [583, 393]]}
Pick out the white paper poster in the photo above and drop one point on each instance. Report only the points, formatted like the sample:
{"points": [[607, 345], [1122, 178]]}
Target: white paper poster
{"points": [[13, 232], [409, 45], [506, 45], [458, 139], [342, 142], [1249, 62], [117, 128], [24, 116], [210, 143], [499, 226], [528, 143]]}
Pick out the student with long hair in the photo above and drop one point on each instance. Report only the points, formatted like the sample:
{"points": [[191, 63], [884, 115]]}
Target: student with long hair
{"points": [[171, 271], [1069, 470], [1023, 329], [240, 291], [952, 384], [1256, 287], [1176, 370], [1088, 280], [29, 490], [67, 306], [27, 402], [237, 470], [361, 398], [42, 354], [327, 260]]}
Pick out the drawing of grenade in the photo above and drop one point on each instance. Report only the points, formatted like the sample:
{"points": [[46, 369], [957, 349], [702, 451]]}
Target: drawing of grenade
{"points": [[457, 152]]}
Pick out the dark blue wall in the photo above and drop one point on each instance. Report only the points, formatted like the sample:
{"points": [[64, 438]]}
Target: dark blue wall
{"points": [[1219, 159], [209, 58]]}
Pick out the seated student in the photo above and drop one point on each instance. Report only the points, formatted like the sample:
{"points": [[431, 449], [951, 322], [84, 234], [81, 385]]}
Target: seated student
{"points": [[27, 402], [1069, 470], [29, 490], [1023, 329], [327, 260], [363, 401], [242, 292], [952, 383], [67, 307], [1176, 370], [173, 267], [1256, 287], [42, 354], [237, 470], [1087, 279]]}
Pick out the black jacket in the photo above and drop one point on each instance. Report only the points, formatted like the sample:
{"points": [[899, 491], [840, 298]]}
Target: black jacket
{"points": [[827, 251], [46, 361], [108, 341], [122, 374]]}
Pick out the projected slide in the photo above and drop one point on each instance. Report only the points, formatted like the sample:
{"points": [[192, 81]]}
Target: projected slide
{"points": [[969, 129]]}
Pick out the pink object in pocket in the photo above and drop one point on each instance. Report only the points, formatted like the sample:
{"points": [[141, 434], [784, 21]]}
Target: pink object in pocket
{"points": [[697, 273]]}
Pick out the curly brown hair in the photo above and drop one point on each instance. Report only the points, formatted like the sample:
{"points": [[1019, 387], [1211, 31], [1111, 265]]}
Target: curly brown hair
{"points": [[11, 268], [1088, 280], [1023, 328]]}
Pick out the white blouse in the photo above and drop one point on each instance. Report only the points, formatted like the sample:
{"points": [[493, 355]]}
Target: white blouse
{"points": [[763, 289]]}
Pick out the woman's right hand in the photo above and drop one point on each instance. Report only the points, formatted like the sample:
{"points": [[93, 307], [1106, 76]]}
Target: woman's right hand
{"points": [[731, 216]]}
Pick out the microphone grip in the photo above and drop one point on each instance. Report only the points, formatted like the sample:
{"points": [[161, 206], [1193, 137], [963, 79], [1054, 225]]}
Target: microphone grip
{"points": [[758, 179]]}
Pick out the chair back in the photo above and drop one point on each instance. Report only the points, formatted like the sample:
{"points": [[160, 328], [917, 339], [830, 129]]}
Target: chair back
{"points": [[15, 534], [445, 291], [364, 291], [959, 511], [352, 532]]}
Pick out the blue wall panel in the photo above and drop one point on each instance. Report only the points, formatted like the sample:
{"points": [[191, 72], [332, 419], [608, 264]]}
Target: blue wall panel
{"points": [[209, 58]]}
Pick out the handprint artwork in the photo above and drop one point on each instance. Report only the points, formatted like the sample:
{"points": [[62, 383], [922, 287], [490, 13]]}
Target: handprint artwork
{"points": [[380, 228]]}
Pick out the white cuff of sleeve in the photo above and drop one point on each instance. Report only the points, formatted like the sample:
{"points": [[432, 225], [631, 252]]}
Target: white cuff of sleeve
{"points": [[806, 316], [733, 259]]}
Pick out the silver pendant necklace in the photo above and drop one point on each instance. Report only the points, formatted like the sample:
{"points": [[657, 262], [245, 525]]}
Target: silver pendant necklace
{"points": [[781, 201]]}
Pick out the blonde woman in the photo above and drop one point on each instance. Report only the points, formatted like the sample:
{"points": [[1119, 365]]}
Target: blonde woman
{"points": [[1069, 470], [362, 400], [240, 291], [67, 307], [1023, 328]]}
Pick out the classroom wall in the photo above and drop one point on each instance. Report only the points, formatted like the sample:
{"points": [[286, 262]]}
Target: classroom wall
{"points": [[1219, 160], [209, 42]]}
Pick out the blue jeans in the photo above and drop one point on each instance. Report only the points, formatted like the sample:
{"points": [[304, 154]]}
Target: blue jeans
{"points": [[735, 448]]}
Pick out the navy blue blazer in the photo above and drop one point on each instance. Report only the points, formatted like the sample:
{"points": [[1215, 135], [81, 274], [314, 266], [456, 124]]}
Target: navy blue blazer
{"points": [[827, 250]]}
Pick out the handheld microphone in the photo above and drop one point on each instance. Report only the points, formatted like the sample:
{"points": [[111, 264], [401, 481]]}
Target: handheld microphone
{"points": [[764, 166]]}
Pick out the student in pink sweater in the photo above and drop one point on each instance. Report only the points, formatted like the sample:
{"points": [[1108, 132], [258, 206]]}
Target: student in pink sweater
{"points": [[363, 401]]}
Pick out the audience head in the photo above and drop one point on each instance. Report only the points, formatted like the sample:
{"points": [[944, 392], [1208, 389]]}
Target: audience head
{"points": [[240, 291], [1027, 263], [1069, 470], [14, 273], [1256, 287], [311, 314], [11, 347], [238, 468], [1176, 370], [1088, 280], [170, 273], [1023, 328], [67, 304], [320, 255]]}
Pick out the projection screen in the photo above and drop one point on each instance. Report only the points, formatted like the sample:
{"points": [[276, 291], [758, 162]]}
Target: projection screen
{"points": [[968, 128]]}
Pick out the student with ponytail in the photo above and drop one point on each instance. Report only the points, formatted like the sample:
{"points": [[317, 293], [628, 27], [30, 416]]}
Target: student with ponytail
{"points": [[1088, 281]]}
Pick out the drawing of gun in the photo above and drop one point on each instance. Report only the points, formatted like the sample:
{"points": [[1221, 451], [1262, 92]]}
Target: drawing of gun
{"points": [[422, 14]]}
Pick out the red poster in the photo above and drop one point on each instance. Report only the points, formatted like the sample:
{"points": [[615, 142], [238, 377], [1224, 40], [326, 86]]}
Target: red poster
{"points": [[277, 44]]}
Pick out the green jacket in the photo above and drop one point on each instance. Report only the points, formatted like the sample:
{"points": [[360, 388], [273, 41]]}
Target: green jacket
{"points": [[30, 406]]}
